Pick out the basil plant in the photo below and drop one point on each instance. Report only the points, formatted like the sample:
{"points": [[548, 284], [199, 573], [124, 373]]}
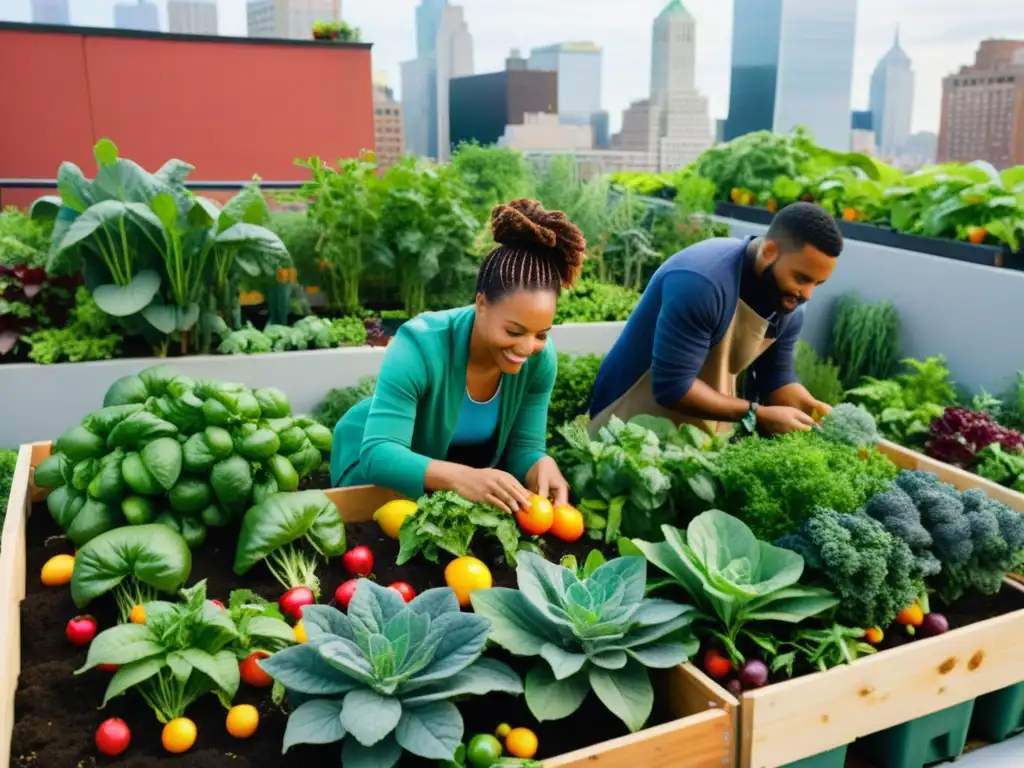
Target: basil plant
{"points": [[381, 678], [596, 633]]}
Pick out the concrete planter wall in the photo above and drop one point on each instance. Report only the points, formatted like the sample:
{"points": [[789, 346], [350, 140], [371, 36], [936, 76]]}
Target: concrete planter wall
{"points": [[967, 312], [41, 401]]}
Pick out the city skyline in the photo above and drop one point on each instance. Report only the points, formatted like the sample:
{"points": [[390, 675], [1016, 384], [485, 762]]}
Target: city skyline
{"points": [[939, 36]]}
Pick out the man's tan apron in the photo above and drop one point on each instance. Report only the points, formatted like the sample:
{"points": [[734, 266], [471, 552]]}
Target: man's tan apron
{"points": [[743, 343]]}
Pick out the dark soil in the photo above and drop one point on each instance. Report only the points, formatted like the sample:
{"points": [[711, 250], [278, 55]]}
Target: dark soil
{"points": [[57, 712]]}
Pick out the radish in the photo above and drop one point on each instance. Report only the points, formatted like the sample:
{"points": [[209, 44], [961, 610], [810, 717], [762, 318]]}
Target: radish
{"points": [[358, 561], [735, 687], [934, 624], [404, 589], [81, 630], [294, 600], [753, 674], [113, 737], [343, 594]]}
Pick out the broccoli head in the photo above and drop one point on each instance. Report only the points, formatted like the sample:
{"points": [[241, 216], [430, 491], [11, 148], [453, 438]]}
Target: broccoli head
{"points": [[874, 573], [850, 424]]}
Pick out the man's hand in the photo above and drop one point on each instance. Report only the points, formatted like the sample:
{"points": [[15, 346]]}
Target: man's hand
{"points": [[781, 419], [820, 410], [545, 479]]}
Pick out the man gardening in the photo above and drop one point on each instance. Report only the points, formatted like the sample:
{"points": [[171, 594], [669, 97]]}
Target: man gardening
{"points": [[717, 309]]}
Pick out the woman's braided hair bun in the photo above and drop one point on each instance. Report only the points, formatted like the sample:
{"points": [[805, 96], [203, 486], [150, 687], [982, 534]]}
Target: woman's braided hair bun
{"points": [[525, 224]]}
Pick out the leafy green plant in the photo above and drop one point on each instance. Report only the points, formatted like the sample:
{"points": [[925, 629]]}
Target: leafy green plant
{"points": [[134, 563], [259, 623], [732, 576], [822, 649], [590, 301], [308, 333], [340, 400], [865, 339], [189, 455], [906, 405], [446, 522], [599, 634], [819, 375], [493, 175], [282, 529], [874, 573], [88, 334], [8, 460], [154, 254], [381, 678], [23, 240], [774, 485], [181, 653], [570, 396], [631, 479]]}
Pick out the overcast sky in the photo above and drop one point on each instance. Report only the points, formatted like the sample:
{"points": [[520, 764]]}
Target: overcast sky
{"points": [[939, 36]]}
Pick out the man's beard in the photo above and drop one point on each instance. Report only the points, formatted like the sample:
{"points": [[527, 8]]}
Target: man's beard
{"points": [[770, 286]]}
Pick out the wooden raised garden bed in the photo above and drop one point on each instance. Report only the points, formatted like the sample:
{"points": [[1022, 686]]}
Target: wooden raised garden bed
{"points": [[700, 736]]}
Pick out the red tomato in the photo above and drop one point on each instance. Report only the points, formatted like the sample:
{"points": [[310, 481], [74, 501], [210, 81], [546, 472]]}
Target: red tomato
{"points": [[343, 594], [107, 667], [404, 589], [294, 600], [81, 630], [113, 737], [716, 665], [251, 672], [358, 561], [218, 603]]}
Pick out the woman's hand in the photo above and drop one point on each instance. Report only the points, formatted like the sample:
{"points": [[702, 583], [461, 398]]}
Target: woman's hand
{"points": [[491, 486], [545, 479]]}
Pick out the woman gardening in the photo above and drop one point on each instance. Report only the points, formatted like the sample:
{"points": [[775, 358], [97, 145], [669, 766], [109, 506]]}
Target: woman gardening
{"points": [[462, 397]]}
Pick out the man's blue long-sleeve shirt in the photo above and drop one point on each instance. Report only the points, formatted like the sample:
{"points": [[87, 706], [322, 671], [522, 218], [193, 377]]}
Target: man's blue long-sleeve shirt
{"points": [[684, 312]]}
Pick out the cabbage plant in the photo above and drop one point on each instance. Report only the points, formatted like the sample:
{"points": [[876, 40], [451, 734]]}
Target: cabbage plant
{"points": [[596, 633], [381, 678]]}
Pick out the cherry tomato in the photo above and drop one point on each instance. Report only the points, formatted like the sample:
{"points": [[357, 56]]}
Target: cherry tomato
{"points": [[294, 600], [567, 523], [81, 630], [219, 604], [113, 736], [138, 615], [251, 672], [178, 735], [242, 721], [107, 667], [343, 594], [404, 589], [716, 665], [358, 561]]}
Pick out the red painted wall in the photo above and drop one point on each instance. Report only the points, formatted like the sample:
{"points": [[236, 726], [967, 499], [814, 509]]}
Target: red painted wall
{"points": [[229, 108]]}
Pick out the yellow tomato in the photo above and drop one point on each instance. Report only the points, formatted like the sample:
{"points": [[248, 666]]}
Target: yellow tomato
{"points": [[300, 633], [391, 516], [138, 615], [521, 742], [242, 721], [57, 570], [464, 574], [536, 519], [178, 735], [503, 730], [567, 523]]}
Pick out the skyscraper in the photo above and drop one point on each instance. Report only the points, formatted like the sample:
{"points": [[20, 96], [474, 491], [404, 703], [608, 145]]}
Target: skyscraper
{"points": [[816, 70], [192, 17], [892, 100], [139, 15], [793, 65], [444, 50], [50, 12], [389, 144], [291, 19], [579, 78], [685, 123], [756, 30], [983, 107]]}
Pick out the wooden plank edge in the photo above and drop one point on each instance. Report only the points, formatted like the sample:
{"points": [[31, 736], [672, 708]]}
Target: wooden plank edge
{"points": [[795, 689], [905, 458], [663, 743], [12, 592]]}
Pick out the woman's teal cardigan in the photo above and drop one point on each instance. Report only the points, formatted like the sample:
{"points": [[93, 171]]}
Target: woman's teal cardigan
{"points": [[389, 439]]}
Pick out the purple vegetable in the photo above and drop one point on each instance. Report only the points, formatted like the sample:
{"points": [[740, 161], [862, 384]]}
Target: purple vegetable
{"points": [[934, 624], [753, 674], [734, 687]]}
